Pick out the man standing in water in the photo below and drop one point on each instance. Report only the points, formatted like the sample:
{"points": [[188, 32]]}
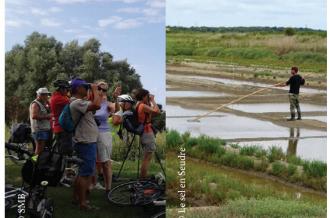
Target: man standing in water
{"points": [[295, 82]]}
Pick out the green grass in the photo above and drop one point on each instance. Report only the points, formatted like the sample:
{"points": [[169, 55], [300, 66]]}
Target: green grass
{"points": [[213, 185], [272, 161], [275, 153], [279, 169], [256, 208], [62, 196], [173, 139], [269, 207], [269, 49], [315, 168]]}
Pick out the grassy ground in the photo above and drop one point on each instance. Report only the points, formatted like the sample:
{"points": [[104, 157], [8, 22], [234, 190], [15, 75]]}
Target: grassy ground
{"points": [[308, 51], [273, 161], [265, 208], [62, 196], [221, 193]]}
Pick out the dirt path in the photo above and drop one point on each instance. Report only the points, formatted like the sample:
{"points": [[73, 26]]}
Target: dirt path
{"points": [[255, 74]]}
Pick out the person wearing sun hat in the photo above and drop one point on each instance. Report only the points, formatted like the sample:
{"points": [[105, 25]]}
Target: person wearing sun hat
{"points": [[40, 119]]}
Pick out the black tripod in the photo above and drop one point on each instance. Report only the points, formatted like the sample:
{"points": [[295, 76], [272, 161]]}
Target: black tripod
{"points": [[138, 167]]}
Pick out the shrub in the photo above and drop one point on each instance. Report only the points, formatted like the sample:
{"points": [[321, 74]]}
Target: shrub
{"points": [[191, 142], [262, 165], [244, 162], [278, 169], [173, 139], [289, 31], [185, 136], [293, 159], [271, 208], [292, 169], [315, 168], [209, 145], [275, 153], [236, 146], [229, 159], [249, 150]]}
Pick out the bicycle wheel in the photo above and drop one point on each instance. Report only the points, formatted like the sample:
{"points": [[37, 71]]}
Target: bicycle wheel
{"points": [[46, 208], [160, 215], [10, 197], [135, 193]]}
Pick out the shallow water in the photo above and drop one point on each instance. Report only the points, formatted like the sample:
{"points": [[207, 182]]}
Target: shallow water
{"points": [[250, 83], [194, 94], [275, 107], [229, 126], [319, 118], [309, 149]]}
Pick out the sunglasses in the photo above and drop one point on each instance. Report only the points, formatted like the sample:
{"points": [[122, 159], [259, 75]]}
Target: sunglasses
{"points": [[103, 90]]}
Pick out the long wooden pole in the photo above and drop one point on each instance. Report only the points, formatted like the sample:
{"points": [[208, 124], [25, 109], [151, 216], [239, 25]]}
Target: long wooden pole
{"points": [[232, 102]]}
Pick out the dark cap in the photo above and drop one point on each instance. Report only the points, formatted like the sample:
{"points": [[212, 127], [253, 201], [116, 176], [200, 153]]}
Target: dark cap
{"points": [[75, 83]]}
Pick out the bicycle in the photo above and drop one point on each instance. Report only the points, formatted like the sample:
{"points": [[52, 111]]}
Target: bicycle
{"points": [[37, 204]]}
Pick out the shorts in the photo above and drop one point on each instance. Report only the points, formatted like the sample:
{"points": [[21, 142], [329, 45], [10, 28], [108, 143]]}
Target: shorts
{"points": [[86, 152], [104, 146], [148, 142], [42, 135]]}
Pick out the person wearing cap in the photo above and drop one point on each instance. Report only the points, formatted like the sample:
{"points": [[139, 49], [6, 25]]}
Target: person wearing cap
{"points": [[104, 141], [40, 119], [57, 102], [295, 82], [85, 101]]}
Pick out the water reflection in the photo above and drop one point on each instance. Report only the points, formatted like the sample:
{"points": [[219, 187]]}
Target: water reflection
{"points": [[293, 141]]}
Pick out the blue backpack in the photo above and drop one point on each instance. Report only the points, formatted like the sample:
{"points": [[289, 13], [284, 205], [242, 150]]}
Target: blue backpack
{"points": [[65, 120]]}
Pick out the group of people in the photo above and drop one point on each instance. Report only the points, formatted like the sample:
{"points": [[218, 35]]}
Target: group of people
{"points": [[92, 136]]}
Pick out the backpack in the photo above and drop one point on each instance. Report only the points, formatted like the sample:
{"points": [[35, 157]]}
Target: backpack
{"points": [[131, 122], [49, 167], [20, 133], [65, 120]]}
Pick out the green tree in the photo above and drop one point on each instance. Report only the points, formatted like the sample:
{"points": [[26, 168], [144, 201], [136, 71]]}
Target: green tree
{"points": [[42, 59]]}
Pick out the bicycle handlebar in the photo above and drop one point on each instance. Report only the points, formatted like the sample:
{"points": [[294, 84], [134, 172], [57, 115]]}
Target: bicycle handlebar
{"points": [[18, 149]]}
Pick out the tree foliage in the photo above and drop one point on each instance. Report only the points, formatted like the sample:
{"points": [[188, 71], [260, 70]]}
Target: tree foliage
{"points": [[42, 60]]}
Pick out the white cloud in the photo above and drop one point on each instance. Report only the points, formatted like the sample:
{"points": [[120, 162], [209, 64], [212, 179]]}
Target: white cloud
{"points": [[55, 9], [128, 24], [108, 21], [72, 31], [49, 23], [119, 23], [70, 1], [129, 1], [129, 10], [297, 13], [85, 36], [156, 3], [17, 23], [151, 12], [38, 11]]}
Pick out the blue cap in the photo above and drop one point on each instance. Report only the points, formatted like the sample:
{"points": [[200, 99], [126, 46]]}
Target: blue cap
{"points": [[75, 83]]}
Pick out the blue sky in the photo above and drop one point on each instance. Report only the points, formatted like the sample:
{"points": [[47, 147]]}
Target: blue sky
{"points": [[293, 13], [132, 29]]}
